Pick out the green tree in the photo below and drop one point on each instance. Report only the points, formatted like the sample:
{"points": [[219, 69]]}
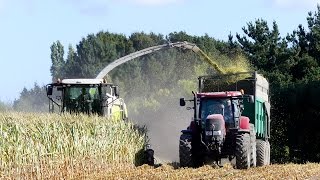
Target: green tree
{"points": [[179, 36], [306, 46], [57, 67], [72, 66], [265, 48], [313, 36], [33, 100], [94, 52]]}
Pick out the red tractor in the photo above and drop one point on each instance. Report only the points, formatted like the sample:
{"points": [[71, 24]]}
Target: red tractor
{"points": [[231, 121]]}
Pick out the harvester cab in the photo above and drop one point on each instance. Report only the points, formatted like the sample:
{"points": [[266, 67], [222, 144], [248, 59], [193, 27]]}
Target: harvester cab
{"points": [[89, 96], [231, 120]]}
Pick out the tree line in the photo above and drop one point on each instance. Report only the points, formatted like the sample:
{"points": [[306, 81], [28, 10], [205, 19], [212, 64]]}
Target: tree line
{"points": [[290, 63]]}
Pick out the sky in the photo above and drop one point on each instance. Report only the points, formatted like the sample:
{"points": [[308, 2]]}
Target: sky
{"points": [[29, 27]]}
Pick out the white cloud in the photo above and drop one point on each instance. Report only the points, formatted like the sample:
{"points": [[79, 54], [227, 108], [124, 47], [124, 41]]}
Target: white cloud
{"points": [[90, 7], [150, 2], [101, 7], [155, 2], [295, 3]]}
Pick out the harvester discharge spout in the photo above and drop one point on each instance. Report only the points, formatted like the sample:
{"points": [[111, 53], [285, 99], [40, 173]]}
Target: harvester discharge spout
{"points": [[182, 45]]}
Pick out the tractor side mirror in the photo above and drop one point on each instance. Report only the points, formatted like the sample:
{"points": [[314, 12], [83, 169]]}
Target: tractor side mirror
{"points": [[49, 90], [251, 99], [182, 102]]}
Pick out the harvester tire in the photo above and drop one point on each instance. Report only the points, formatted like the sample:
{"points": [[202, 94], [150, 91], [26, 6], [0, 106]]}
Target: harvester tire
{"points": [[262, 152], [268, 153], [185, 154], [243, 150], [253, 149]]}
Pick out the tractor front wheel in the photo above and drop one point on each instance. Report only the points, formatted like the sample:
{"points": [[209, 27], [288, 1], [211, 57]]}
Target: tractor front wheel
{"points": [[243, 151]]}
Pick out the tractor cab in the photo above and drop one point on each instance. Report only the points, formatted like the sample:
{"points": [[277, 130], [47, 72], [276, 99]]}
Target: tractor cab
{"points": [[227, 104], [88, 96], [225, 107]]}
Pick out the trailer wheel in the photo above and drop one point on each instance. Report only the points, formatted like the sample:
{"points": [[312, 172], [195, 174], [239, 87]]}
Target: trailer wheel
{"points": [[253, 149], [243, 147], [261, 152], [185, 154], [268, 153]]}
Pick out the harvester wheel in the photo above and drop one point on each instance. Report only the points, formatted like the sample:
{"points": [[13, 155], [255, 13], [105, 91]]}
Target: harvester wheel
{"points": [[253, 149], [243, 147], [261, 152], [185, 154]]}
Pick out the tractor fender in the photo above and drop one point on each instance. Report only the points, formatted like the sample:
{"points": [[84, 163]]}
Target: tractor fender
{"points": [[192, 126], [192, 129], [186, 131], [244, 123]]}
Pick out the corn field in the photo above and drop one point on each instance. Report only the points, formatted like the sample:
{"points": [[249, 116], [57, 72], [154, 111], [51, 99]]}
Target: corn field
{"points": [[49, 146], [29, 142]]}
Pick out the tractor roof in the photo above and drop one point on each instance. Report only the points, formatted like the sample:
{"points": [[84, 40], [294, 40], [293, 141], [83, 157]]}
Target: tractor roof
{"points": [[82, 81], [219, 94]]}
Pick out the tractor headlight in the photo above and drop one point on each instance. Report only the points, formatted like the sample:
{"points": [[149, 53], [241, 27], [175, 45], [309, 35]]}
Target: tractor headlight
{"points": [[214, 133]]}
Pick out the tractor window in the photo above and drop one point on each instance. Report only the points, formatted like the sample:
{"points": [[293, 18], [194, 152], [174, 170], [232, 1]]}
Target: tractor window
{"points": [[236, 108], [72, 93], [77, 92], [82, 99], [217, 106]]}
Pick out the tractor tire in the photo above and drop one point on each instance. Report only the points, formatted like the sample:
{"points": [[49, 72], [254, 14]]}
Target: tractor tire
{"points": [[268, 153], [242, 153], [262, 152], [253, 149], [185, 154]]}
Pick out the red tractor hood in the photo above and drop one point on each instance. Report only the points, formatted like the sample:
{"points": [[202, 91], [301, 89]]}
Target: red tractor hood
{"points": [[215, 116]]}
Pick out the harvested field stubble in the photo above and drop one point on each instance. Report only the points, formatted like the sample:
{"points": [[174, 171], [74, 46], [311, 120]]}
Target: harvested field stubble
{"points": [[92, 169], [288, 171]]}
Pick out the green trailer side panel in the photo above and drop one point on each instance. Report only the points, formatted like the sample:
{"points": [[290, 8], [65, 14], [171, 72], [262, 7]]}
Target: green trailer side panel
{"points": [[260, 118], [257, 115], [249, 111]]}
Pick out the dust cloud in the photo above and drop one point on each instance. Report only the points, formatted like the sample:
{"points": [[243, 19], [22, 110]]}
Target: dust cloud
{"points": [[164, 129]]}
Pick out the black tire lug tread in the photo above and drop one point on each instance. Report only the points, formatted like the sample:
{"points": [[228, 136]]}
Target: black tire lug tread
{"points": [[185, 154], [243, 151]]}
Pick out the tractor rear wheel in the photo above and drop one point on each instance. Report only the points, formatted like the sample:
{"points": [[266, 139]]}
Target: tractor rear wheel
{"points": [[185, 153], [243, 147], [262, 154], [253, 149]]}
